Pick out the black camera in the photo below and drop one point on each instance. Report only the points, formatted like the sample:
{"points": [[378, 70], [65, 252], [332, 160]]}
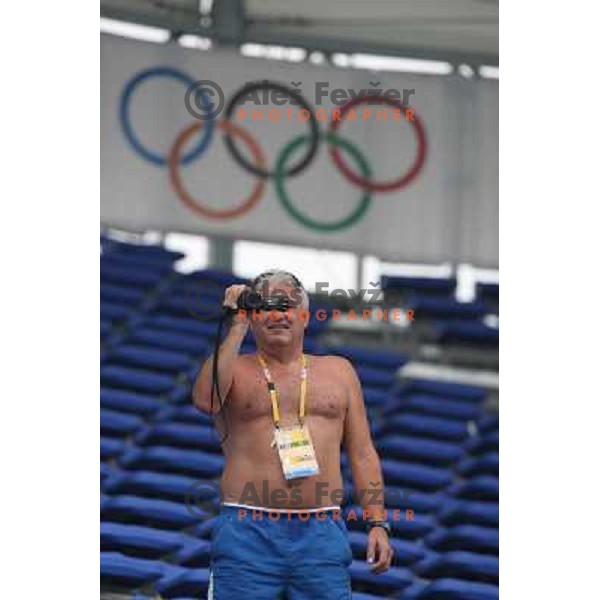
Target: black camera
{"points": [[250, 300]]}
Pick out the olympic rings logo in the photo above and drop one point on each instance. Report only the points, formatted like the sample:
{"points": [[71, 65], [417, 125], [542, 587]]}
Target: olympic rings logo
{"points": [[198, 103]]}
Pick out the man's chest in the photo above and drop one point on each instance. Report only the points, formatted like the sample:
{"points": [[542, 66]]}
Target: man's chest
{"points": [[325, 397]]}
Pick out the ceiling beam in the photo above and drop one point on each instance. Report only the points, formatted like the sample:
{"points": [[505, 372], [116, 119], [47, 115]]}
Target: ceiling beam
{"points": [[267, 34], [230, 27]]}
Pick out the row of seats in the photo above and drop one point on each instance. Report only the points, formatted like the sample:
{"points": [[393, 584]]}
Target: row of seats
{"points": [[156, 449], [441, 287], [448, 321], [175, 581], [442, 427]]}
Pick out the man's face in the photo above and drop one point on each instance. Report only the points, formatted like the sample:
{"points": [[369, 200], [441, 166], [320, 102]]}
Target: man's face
{"points": [[275, 328]]}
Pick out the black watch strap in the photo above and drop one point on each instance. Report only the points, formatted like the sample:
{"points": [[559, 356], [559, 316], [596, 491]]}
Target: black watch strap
{"points": [[384, 524]]}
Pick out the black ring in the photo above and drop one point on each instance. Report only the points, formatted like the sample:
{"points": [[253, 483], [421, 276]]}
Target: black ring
{"points": [[312, 121]]}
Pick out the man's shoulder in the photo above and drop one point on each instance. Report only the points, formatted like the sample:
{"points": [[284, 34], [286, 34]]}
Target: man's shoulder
{"points": [[244, 360], [333, 361]]}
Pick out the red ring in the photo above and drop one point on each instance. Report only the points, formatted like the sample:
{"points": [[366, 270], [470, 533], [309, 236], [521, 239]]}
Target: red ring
{"points": [[192, 203], [367, 184]]}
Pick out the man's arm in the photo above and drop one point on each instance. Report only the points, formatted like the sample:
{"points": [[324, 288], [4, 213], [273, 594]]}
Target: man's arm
{"points": [[228, 354], [366, 470]]}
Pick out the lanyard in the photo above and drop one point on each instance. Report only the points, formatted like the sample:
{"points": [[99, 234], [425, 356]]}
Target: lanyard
{"points": [[274, 396]]}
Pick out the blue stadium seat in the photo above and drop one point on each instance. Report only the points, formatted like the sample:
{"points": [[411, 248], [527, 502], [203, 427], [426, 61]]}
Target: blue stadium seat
{"points": [[134, 264], [143, 542], [488, 442], [488, 423], [377, 378], [448, 408], [414, 591], [415, 476], [425, 426], [106, 471], [182, 394], [186, 305], [420, 502], [224, 278], [420, 450], [464, 512], [136, 379], [461, 565], [444, 389], [375, 397], [472, 538], [126, 275], [148, 512], [152, 252], [110, 448], [204, 528], [151, 358], [455, 589], [379, 359], [183, 414], [177, 488], [486, 464], [180, 582], [488, 292], [312, 345], [185, 325], [180, 436], [121, 294], [129, 402], [118, 424], [194, 345], [105, 327], [391, 581], [109, 311], [484, 488], [435, 308], [170, 460], [196, 286], [195, 555], [466, 332], [127, 570], [196, 295]]}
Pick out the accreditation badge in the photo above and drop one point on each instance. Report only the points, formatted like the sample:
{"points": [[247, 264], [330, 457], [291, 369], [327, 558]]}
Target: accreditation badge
{"points": [[296, 451]]}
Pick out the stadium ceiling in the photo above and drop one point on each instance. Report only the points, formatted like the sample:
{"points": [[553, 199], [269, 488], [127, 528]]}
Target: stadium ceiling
{"points": [[457, 31]]}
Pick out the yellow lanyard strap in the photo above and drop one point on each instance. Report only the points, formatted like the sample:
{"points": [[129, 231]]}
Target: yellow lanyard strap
{"points": [[274, 396]]}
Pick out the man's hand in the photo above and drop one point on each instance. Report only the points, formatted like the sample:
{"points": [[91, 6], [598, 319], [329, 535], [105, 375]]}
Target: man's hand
{"points": [[379, 552], [203, 390], [232, 293]]}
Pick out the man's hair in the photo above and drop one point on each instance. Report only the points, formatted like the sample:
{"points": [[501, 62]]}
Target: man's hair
{"points": [[280, 276]]}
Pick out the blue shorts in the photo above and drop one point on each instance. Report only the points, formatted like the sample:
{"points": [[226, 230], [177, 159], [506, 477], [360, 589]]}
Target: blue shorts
{"points": [[292, 558]]}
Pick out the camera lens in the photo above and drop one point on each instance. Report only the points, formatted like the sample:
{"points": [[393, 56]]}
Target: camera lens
{"points": [[250, 300]]}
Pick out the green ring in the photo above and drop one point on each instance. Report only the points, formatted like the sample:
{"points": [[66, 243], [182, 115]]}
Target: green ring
{"points": [[284, 198]]}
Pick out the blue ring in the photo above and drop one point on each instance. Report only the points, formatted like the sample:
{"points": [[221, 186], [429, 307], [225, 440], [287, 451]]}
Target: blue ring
{"points": [[126, 122]]}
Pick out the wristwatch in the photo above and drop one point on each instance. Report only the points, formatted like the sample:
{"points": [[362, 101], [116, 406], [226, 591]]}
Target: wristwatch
{"points": [[385, 524]]}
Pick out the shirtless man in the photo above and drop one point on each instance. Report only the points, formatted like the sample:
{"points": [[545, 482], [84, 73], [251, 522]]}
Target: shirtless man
{"points": [[294, 544]]}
